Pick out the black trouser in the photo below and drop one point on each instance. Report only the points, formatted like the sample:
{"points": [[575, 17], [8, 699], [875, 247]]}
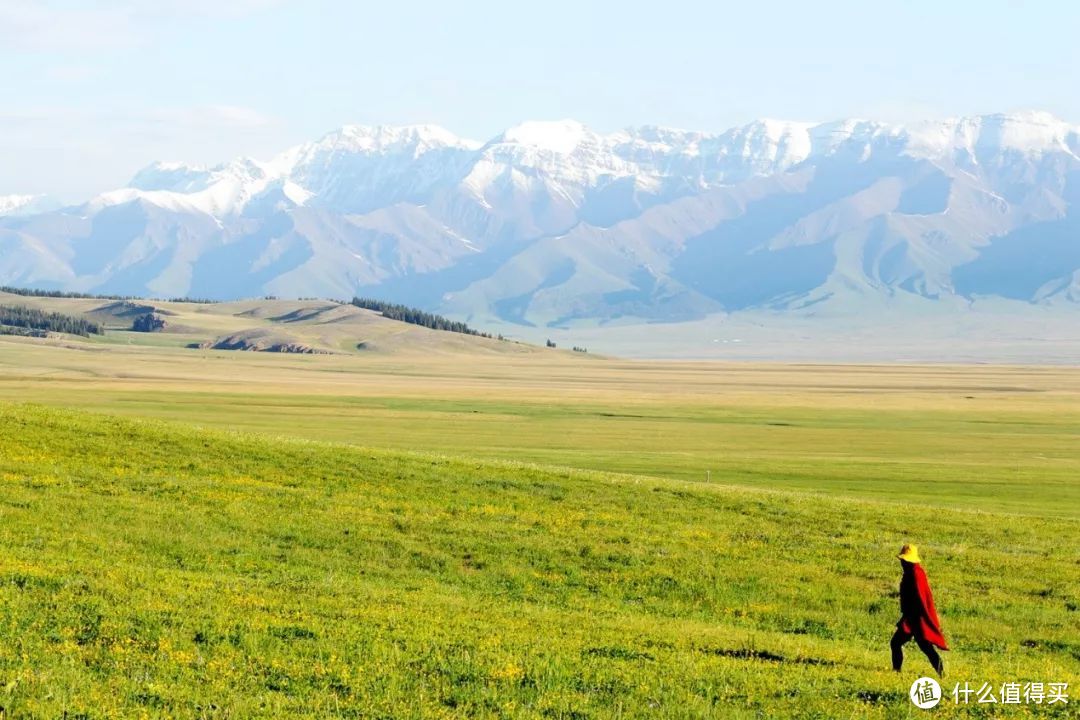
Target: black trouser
{"points": [[897, 644]]}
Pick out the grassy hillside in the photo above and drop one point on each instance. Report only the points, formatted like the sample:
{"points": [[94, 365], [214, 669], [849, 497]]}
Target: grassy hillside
{"points": [[152, 569], [322, 325]]}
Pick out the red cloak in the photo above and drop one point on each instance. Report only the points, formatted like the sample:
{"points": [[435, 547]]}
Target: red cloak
{"points": [[917, 605]]}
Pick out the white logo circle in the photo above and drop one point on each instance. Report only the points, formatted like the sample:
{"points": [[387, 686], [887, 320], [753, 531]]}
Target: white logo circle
{"points": [[925, 693]]}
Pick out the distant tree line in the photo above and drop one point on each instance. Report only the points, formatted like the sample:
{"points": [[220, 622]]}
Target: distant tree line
{"points": [[416, 317], [17, 316], [31, 292]]}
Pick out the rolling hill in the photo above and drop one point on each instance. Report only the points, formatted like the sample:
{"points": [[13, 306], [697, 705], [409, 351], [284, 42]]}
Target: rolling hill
{"points": [[266, 325]]}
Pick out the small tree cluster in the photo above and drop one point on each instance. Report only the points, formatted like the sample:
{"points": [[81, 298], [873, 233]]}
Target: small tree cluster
{"points": [[150, 322], [581, 349], [31, 318], [551, 343]]}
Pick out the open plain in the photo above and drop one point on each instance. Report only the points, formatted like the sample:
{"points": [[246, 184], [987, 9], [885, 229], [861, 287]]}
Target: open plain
{"points": [[423, 524]]}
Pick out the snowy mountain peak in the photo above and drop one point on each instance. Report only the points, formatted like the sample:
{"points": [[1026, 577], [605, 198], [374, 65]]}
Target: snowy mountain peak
{"points": [[661, 135], [172, 176], [773, 129], [11, 203], [393, 138], [1027, 133], [769, 145], [25, 204], [1030, 116], [557, 136], [181, 187]]}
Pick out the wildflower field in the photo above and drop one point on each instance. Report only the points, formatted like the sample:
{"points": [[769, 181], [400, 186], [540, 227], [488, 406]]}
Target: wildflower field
{"points": [[313, 565]]}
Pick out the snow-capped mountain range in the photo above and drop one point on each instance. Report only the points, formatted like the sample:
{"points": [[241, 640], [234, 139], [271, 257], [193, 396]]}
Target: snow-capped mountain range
{"points": [[551, 223]]}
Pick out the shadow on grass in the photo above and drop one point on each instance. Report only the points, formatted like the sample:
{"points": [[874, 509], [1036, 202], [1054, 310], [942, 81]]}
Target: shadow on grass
{"points": [[763, 655], [616, 653], [873, 697]]}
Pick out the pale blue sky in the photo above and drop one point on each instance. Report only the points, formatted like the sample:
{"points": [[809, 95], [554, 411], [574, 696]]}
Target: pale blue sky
{"points": [[95, 90]]}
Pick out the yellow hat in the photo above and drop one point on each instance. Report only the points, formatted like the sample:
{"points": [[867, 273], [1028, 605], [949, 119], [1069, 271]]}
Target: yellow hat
{"points": [[910, 553]]}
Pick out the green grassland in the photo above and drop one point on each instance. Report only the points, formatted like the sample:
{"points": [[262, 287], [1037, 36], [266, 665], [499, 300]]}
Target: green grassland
{"points": [[992, 438], [154, 569], [445, 526]]}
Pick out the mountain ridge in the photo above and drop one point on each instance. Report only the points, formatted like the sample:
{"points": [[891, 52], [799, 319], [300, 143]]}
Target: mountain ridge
{"points": [[550, 223]]}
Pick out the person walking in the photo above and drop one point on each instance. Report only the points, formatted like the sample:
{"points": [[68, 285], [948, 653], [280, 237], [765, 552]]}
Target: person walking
{"points": [[919, 618]]}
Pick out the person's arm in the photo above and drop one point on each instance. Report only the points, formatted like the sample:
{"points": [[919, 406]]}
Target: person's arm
{"points": [[911, 606]]}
